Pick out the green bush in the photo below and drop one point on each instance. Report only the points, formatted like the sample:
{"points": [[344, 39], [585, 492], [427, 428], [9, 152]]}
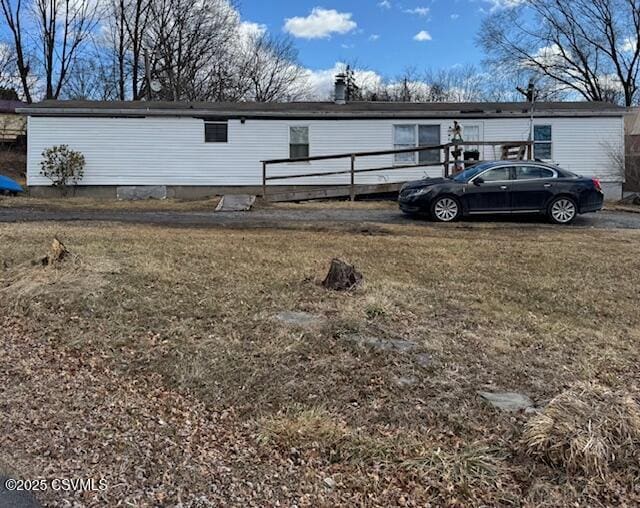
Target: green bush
{"points": [[62, 166]]}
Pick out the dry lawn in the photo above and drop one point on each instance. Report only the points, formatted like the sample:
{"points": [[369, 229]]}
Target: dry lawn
{"points": [[86, 204], [154, 359]]}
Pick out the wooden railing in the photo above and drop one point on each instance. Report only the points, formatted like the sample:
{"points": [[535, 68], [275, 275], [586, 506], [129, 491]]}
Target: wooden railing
{"points": [[524, 150]]}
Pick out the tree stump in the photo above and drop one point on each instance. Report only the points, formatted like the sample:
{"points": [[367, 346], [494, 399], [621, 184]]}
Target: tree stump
{"points": [[57, 253], [342, 276]]}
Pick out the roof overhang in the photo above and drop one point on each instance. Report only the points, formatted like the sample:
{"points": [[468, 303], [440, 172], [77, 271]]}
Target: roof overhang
{"points": [[320, 111]]}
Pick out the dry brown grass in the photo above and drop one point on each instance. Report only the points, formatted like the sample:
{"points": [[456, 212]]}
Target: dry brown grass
{"points": [[72, 280], [588, 429], [532, 310], [88, 204]]}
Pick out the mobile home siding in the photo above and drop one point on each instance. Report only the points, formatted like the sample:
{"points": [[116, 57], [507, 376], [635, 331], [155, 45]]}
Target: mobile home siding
{"points": [[172, 151]]}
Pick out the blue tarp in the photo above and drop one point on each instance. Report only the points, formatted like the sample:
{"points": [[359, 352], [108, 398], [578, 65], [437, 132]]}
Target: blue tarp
{"points": [[7, 184]]}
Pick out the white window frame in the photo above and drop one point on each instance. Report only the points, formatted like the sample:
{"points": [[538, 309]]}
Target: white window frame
{"points": [[550, 142], [480, 126], [416, 127], [394, 144], [308, 127]]}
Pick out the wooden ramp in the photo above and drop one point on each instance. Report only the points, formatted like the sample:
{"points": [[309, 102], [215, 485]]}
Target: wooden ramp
{"points": [[343, 191], [510, 149]]}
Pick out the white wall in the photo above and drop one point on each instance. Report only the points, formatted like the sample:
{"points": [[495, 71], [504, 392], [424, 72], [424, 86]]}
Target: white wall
{"points": [[172, 151]]}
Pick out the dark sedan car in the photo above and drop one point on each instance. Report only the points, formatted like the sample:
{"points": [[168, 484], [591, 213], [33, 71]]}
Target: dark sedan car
{"points": [[504, 187]]}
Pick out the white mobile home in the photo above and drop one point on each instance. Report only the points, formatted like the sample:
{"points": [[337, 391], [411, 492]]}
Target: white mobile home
{"points": [[200, 149]]}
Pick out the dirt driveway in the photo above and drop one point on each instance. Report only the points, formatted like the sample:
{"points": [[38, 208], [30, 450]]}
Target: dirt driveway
{"points": [[296, 215]]}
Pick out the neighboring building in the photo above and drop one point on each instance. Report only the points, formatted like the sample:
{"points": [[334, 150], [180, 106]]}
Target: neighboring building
{"points": [[202, 149], [13, 127]]}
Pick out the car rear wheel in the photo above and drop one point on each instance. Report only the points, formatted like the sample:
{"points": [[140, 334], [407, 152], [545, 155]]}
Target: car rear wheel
{"points": [[563, 210], [445, 209]]}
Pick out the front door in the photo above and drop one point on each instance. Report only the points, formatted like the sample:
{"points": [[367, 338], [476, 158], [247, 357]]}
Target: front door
{"points": [[492, 195]]}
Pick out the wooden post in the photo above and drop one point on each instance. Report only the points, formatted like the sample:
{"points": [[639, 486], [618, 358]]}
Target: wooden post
{"points": [[446, 160], [264, 180], [353, 178]]}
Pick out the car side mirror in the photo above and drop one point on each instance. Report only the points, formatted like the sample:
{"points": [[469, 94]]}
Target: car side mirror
{"points": [[478, 181]]}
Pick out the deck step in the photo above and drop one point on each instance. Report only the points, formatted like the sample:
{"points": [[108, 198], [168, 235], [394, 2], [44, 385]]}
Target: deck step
{"points": [[330, 192]]}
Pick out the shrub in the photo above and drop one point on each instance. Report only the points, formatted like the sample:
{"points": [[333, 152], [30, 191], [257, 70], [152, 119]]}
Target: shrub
{"points": [[62, 166]]}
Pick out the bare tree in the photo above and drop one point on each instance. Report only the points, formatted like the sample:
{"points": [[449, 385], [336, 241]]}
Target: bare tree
{"points": [[63, 26], [587, 47], [129, 22], [274, 72], [191, 44], [91, 79], [7, 68], [455, 84], [14, 12], [49, 35]]}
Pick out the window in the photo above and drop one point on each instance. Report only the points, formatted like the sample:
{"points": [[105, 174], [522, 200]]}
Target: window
{"points": [[532, 172], [542, 142], [215, 132], [429, 135], [404, 136], [298, 142], [471, 133], [496, 175], [407, 136]]}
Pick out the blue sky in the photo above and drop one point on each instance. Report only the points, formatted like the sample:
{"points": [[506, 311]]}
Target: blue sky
{"points": [[386, 36]]}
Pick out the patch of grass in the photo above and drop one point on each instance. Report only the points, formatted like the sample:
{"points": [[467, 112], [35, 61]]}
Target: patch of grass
{"points": [[474, 465], [588, 429], [87, 204], [532, 310]]}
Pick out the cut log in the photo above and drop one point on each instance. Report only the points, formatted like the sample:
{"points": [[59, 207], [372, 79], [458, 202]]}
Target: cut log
{"points": [[342, 276]]}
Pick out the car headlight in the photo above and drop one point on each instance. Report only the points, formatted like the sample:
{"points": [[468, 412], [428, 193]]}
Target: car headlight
{"points": [[419, 192]]}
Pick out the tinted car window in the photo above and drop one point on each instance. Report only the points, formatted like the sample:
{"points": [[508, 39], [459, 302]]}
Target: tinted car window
{"points": [[467, 174], [531, 172], [496, 175]]}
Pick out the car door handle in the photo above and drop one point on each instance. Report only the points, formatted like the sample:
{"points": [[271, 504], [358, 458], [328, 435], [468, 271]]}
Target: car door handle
{"points": [[547, 185], [503, 187]]}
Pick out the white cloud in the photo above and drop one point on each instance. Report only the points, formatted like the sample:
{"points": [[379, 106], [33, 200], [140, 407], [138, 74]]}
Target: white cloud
{"points": [[418, 11], [374, 37], [497, 5], [454, 16], [321, 81], [251, 29], [384, 4], [320, 24], [422, 36], [548, 55], [629, 44]]}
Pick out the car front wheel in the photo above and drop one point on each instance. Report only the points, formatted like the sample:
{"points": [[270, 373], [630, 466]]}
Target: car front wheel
{"points": [[445, 209], [563, 210]]}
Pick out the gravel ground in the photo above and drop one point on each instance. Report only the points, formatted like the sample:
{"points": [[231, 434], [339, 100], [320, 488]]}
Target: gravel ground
{"points": [[283, 217]]}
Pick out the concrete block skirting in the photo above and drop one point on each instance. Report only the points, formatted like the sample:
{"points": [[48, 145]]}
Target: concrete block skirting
{"points": [[144, 191]]}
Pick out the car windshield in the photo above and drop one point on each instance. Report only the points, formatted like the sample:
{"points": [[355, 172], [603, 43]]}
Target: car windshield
{"points": [[468, 174]]}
